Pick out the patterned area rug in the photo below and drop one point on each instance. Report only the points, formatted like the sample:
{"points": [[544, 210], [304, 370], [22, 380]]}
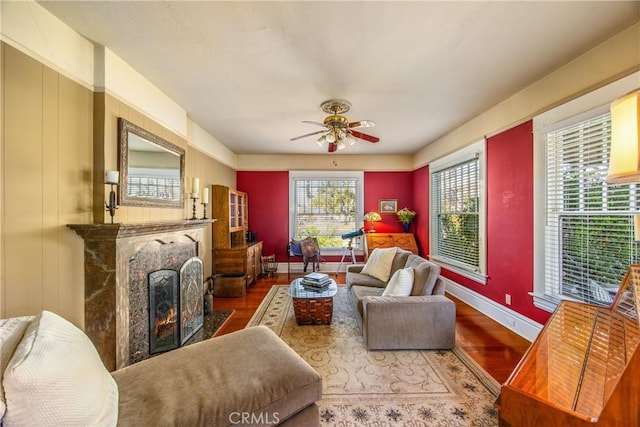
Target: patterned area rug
{"points": [[381, 388]]}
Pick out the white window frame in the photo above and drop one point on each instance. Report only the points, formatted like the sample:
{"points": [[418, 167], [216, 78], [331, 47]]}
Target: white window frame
{"points": [[477, 149], [580, 109], [358, 175]]}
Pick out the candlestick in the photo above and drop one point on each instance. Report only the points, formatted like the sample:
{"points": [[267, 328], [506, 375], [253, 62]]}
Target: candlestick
{"points": [[194, 197], [204, 213]]}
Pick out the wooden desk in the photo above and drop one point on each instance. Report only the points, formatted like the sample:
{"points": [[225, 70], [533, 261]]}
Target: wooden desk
{"points": [[388, 240]]}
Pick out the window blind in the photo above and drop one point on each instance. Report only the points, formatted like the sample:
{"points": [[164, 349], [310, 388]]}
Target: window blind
{"points": [[325, 208], [455, 214], [589, 235]]}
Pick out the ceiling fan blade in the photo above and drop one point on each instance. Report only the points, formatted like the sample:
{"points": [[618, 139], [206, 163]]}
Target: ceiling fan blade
{"points": [[332, 147], [314, 123], [364, 136], [362, 124], [307, 134]]}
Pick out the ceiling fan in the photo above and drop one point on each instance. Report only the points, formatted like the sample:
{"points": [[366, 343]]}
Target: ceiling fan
{"points": [[337, 129]]}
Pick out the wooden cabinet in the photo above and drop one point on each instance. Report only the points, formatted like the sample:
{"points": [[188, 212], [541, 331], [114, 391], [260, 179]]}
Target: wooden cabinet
{"points": [[229, 208], [231, 253], [582, 369], [405, 241], [239, 260]]}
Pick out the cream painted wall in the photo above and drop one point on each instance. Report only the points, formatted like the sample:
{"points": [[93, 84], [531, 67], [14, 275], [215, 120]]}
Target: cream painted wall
{"points": [[209, 172], [106, 113], [614, 58], [46, 183], [324, 162]]}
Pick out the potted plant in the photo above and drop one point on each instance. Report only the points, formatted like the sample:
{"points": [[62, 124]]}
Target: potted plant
{"points": [[405, 216]]}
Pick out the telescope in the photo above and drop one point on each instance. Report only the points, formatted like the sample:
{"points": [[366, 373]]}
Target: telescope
{"points": [[353, 234]]}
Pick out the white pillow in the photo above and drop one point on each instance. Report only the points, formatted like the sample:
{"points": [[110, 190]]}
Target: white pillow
{"points": [[11, 332], [56, 377], [379, 263], [401, 283]]}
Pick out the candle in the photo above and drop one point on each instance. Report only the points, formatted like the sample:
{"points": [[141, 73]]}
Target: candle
{"points": [[111, 177], [195, 185], [205, 195]]}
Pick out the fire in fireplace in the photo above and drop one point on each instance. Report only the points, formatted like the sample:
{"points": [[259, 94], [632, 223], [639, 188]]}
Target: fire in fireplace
{"points": [[176, 309]]}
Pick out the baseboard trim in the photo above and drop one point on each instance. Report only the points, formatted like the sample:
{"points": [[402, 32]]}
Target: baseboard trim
{"points": [[508, 318]]}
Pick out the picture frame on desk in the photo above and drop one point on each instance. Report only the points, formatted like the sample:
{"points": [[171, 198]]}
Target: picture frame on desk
{"points": [[388, 206]]}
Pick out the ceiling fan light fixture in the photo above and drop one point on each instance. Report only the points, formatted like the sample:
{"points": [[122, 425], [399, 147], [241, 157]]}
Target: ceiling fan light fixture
{"points": [[321, 140], [350, 139], [330, 138], [341, 145]]}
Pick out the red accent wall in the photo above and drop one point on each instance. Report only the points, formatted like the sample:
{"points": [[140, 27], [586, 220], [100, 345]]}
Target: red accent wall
{"points": [[268, 194], [509, 223], [387, 185], [420, 225]]}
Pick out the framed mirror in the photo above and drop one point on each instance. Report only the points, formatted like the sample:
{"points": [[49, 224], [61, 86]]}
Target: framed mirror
{"points": [[151, 168]]}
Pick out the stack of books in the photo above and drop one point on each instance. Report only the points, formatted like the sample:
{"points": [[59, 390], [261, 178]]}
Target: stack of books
{"points": [[316, 282]]}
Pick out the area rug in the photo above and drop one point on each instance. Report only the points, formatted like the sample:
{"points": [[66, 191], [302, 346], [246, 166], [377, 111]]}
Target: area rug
{"points": [[381, 388]]}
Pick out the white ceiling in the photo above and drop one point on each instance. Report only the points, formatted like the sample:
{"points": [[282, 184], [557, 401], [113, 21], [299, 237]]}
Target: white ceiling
{"points": [[250, 72]]}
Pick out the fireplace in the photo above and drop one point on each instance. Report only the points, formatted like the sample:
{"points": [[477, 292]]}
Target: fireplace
{"points": [[176, 311], [118, 260]]}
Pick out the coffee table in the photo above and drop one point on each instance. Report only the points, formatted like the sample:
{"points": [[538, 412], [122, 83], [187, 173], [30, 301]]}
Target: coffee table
{"points": [[312, 307]]}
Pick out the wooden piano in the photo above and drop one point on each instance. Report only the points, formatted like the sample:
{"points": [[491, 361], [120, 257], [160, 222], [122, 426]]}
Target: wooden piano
{"points": [[583, 369]]}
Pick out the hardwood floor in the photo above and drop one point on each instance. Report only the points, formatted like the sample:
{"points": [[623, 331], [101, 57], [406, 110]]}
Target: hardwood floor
{"points": [[494, 347]]}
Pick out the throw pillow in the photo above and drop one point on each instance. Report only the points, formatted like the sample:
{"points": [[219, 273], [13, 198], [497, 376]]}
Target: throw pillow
{"points": [[379, 263], [400, 284], [11, 332], [56, 377]]}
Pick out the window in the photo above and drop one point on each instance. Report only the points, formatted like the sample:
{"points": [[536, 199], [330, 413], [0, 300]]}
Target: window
{"points": [[583, 228], [589, 236], [326, 205], [457, 211]]}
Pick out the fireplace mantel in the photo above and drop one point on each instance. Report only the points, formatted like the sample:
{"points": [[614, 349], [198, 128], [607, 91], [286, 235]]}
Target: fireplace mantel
{"points": [[108, 250]]}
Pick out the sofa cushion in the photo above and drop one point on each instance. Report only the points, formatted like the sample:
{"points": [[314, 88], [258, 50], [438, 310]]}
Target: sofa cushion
{"points": [[56, 377], [379, 263], [357, 293], [11, 332], [400, 284], [216, 382], [399, 260], [425, 275]]}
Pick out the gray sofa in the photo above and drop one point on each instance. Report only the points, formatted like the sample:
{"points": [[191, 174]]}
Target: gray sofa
{"points": [[52, 375], [424, 320]]}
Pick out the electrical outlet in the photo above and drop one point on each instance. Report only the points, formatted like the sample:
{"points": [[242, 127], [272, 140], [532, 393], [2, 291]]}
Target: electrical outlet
{"points": [[507, 299], [510, 321]]}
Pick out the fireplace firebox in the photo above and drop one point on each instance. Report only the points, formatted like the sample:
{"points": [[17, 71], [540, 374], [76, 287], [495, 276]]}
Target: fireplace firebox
{"points": [[176, 309]]}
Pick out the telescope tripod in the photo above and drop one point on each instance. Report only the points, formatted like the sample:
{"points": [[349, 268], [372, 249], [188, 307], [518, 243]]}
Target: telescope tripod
{"points": [[347, 250]]}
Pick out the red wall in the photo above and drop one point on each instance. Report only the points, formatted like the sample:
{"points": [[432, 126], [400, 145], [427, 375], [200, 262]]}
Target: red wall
{"points": [[268, 194], [420, 225], [509, 223], [387, 185]]}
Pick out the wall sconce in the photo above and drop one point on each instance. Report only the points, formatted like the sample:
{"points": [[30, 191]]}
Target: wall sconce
{"points": [[371, 217], [111, 177], [624, 162]]}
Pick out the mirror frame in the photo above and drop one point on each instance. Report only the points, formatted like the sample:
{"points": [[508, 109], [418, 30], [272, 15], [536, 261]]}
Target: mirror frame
{"points": [[124, 128]]}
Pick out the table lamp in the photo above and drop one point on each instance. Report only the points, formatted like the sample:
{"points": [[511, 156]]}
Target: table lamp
{"points": [[371, 217]]}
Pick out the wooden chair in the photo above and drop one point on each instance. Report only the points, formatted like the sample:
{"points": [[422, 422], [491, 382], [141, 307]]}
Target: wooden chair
{"points": [[269, 266]]}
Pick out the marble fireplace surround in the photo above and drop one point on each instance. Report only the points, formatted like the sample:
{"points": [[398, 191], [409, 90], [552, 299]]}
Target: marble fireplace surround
{"points": [[109, 251]]}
